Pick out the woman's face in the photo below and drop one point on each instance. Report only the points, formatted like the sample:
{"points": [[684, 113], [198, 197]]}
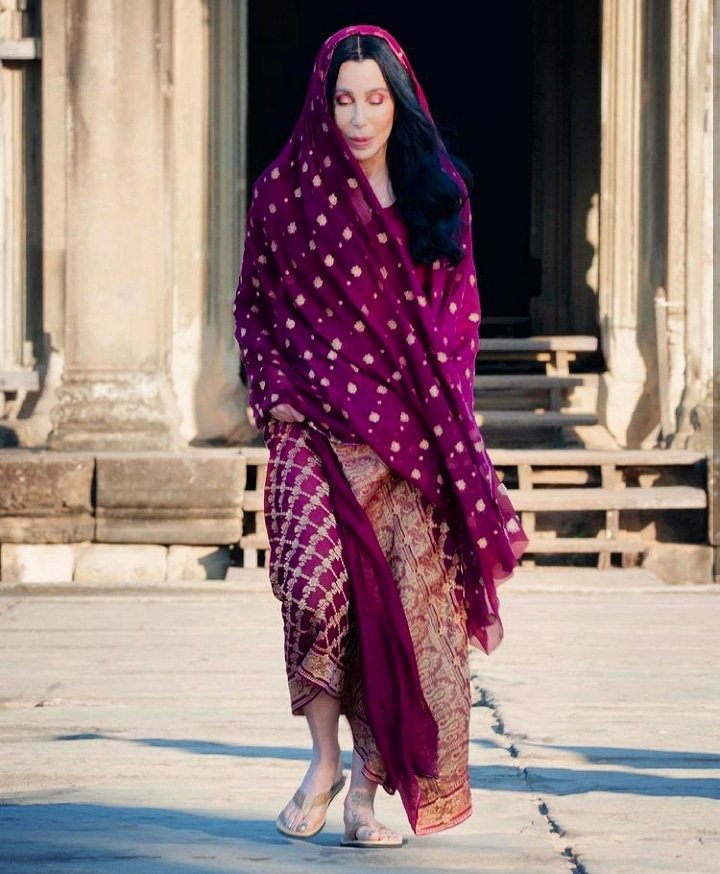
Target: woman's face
{"points": [[364, 110]]}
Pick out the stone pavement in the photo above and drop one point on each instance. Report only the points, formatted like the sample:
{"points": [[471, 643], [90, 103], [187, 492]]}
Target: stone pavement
{"points": [[148, 732]]}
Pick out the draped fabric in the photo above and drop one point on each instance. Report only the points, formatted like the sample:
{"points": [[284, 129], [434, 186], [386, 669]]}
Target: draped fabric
{"points": [[333, 317]]}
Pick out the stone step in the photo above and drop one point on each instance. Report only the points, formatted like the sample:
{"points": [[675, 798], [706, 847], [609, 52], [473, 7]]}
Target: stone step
{"points": [[554, 352], [570, 499], [528, 381], [596, 457], [550, 343], [555, 578], [569, 545], [566, 500], [547, 545], [559, 457], [533, 419]]}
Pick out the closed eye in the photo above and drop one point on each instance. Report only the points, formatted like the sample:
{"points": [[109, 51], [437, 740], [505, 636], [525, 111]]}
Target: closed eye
{"points": [[374, 98]]}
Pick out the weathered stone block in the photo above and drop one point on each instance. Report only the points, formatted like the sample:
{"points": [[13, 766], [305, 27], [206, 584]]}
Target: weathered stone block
{"points": [[197, 562], [680, 562], [45, 497], [47, 529], [193, 497], [189, 480], [32, 563], [38, 482], [138, 528], [127, 563]]}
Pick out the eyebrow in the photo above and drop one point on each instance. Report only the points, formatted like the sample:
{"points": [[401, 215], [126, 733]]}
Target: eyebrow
{"points": [[369, 91]]}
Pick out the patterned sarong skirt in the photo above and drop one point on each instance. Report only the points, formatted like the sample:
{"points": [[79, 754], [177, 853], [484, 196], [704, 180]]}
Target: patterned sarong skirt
{"points": [[309, 577]]}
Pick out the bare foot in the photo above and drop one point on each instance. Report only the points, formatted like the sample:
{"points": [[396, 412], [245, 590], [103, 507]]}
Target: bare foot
{"points": [[361, 826], [300, 813]]}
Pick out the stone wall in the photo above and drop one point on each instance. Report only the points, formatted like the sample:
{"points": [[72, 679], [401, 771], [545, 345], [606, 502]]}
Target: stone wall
{"points": [[111, 517]]}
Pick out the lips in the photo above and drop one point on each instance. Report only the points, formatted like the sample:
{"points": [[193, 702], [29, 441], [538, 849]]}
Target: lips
{"points": [[360, 142]]}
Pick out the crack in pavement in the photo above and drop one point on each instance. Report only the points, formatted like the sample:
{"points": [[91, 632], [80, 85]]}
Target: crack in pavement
{"points": [[484, 698]]}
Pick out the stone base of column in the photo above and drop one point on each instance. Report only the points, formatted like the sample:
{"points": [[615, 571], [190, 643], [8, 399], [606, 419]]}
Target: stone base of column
{"points": [[101, 411]]}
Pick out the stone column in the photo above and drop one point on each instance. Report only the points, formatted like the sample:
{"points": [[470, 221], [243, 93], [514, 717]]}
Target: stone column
{"points": [[12, 200], [209, 131], [19, 185], [116, 391], [54, 74], [189, 126], [690, 224], [620, 176], [693, 215], [222, 405]]}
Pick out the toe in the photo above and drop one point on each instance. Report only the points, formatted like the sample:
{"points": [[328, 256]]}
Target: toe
{"points": [[290, 816], [378, 834], [296, 819], [366, 833]]}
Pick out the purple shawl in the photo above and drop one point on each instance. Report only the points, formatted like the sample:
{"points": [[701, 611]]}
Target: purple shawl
{"points": [[333, 317]]}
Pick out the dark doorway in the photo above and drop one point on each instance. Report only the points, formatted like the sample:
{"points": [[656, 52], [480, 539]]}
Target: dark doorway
{"points": [[478, 80]]}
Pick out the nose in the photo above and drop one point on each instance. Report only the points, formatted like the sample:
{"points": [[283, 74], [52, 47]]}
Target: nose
{"points": [[358, 116]]}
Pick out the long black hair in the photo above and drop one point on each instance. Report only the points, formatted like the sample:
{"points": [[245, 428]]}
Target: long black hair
{"points": [[428, 198]]}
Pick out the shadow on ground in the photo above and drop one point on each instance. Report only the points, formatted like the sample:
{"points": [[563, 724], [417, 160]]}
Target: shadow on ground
{"points": [[36, 837], [41, 837], [553, 780], [572, 781], [577, 780], [637, 758], [199, 747]]}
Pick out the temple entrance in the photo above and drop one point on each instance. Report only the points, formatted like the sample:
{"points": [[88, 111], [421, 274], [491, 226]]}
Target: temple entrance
{"points": [[517, 99]]}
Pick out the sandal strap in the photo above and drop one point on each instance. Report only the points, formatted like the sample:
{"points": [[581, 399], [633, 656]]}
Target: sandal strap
{"points": [[372, 828], [301, 801]]}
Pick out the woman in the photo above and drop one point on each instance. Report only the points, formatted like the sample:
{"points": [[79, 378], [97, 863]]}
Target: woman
{"points": [[357, 318]]}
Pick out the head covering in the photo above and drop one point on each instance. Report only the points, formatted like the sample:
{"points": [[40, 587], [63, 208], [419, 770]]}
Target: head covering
{"points": [[333, 317]]}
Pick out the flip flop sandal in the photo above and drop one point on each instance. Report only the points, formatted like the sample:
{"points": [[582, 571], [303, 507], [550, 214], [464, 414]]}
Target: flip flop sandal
{"points": [[305, 805], [350, 838]]}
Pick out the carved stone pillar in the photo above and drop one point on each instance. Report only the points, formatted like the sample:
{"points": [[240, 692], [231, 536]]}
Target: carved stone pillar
{"points": [[116, 390], [690, 224], [222, 407], [693, 218], [620, 178], [20, 208]]}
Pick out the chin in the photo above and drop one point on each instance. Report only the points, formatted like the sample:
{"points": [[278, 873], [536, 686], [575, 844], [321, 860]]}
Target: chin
{"points": [[363, 155]]}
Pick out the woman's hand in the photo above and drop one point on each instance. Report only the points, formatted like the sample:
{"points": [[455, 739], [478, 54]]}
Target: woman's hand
{"points": [[286, 413]]}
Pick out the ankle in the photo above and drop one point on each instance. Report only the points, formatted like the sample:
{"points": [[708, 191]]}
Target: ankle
{"points": [[359, 797], [327, 757]]}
